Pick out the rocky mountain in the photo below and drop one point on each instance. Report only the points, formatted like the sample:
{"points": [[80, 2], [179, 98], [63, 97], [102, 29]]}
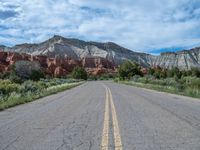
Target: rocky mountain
{"points": [[78, 49]]}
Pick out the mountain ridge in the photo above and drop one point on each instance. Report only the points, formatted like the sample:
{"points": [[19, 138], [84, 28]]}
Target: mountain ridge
{"points": [[77, 49]]}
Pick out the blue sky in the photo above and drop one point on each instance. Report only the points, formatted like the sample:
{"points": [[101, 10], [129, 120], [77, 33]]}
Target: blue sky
{"points": [[140, 25]]}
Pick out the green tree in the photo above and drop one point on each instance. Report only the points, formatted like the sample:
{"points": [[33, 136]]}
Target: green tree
{"points": [[24, 69], [79, 73], [128, 69]]}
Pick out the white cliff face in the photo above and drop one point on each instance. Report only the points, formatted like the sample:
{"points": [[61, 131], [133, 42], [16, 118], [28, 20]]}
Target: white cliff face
{"points": [[184, 60], [78, 49]]}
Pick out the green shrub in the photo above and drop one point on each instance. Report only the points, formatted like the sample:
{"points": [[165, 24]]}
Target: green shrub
{"points": [[135, 78], [15, 78], [171, 82], [36, 75], [157, 74], [12, 76], [128, 69], [30, 86], [1, 75], [192, 82], [151, 71], [7, 87], [79, 73], [92, 78], [116, 79], [174, 72], [195, 72]]}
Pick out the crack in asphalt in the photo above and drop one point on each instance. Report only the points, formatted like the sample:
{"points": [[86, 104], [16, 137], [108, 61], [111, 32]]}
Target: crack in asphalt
{"points": [[11, 143]]}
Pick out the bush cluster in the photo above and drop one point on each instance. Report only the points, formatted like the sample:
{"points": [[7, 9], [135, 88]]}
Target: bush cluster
{"points": [[7, 86], [79, 73], [175, 72], [128, 69]]}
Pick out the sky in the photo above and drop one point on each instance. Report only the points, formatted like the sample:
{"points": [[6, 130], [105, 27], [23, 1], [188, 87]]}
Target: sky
{"points": [[150, 26]]}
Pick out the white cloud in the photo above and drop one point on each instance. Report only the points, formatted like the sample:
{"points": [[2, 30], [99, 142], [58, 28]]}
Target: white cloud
{"points": [[140, 25]]}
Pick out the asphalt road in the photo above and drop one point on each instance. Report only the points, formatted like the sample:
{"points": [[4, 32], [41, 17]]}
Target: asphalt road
{"points": [[103, 116]]}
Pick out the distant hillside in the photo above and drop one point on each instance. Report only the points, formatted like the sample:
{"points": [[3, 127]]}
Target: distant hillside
{"points": [[76, 49]]}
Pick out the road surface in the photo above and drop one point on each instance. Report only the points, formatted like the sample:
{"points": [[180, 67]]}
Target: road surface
{"points": [[103, 116]]}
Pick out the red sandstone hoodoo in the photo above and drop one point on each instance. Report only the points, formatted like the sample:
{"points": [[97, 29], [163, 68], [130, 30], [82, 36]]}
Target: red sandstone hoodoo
{"points": [[58, 66]]}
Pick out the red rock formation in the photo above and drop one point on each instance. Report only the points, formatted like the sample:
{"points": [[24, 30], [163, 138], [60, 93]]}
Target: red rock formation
{"points": [[58, 66], [13, 57], [2, 68], [97, 71], [94, 62], [3, 57], [98, 65], [59, 72], [41, 59]]}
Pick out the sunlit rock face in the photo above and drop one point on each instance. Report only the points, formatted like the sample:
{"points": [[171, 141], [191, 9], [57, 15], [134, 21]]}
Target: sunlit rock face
{"points": [[78, 49]]}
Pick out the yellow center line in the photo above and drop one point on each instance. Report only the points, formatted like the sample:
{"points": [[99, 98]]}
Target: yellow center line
{"points": [[116, 132], [105, 134], [117, 136]]}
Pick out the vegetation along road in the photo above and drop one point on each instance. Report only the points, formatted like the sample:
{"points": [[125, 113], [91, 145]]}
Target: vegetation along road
{"points": [[103, 115]]}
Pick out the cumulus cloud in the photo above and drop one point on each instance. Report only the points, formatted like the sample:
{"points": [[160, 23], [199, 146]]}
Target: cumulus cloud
{"points": [[140, 25]]}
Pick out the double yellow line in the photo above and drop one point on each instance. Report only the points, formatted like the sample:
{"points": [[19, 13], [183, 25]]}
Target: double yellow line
{"points": [[116, 132]]}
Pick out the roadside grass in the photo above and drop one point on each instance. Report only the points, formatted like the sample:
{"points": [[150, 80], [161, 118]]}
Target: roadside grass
{"points": [[18, 96], [170, 85]]}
